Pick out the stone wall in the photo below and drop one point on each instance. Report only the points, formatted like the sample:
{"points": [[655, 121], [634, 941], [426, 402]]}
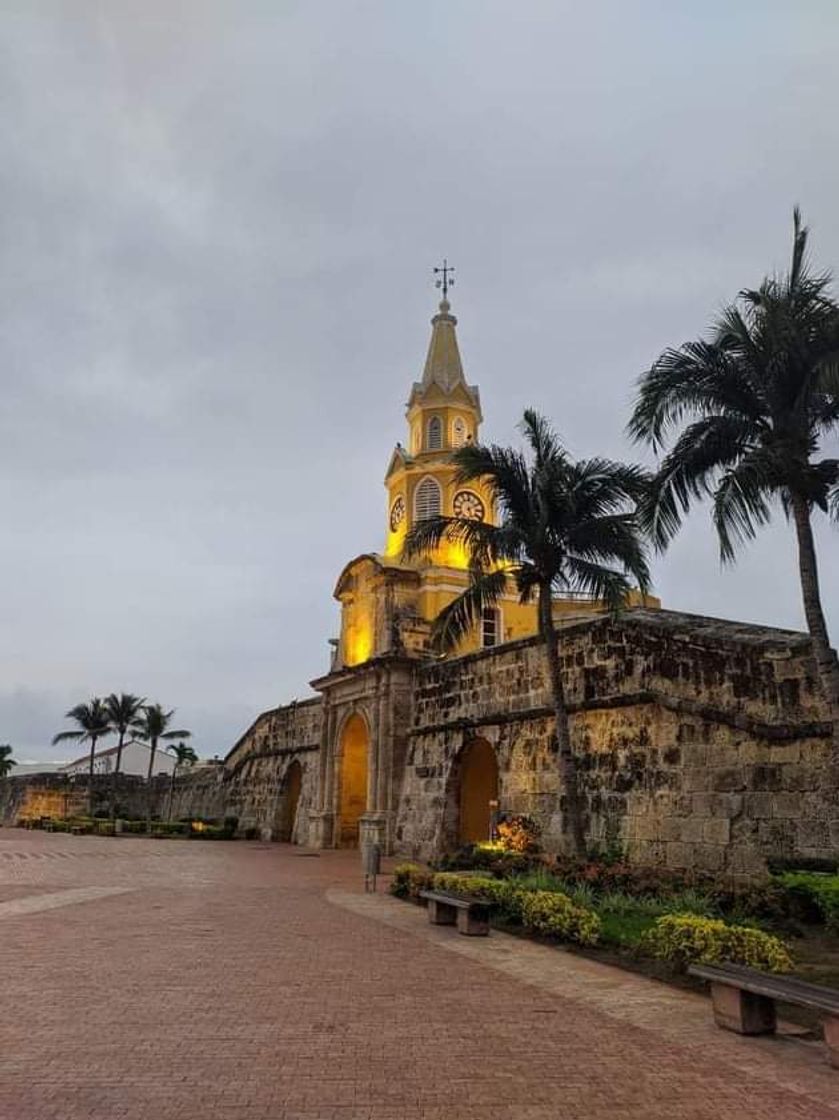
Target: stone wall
{"points": [[30, 796], [702, 743], [252, 784]]}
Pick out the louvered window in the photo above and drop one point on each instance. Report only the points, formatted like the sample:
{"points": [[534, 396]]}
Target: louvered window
{"points": [[427, 500], [459, 432], [435, 433], [490, 627]]}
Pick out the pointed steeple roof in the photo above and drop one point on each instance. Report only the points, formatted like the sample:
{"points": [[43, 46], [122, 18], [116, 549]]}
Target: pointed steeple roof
{"points": [[443, 367]]}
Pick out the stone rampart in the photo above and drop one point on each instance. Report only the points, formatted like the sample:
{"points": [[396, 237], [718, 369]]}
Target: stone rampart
{"points": [[702, 744]]}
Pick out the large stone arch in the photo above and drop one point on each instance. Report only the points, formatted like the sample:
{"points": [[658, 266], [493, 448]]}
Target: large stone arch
{"points": [[472, 786], [353, 770]]}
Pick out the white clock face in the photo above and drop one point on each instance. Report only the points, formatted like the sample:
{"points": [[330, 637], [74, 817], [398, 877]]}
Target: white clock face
{"points": [[397, 514], [467, 504]]}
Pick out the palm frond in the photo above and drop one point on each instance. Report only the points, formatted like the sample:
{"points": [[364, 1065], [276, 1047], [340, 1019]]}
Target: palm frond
{"points": [[608, 585], [741, 502], [457, 619], [66, 736]]}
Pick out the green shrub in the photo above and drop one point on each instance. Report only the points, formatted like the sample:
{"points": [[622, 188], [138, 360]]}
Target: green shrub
{"points": [[505, 894], [817, 891], [684, 939], [555, 914], [409, 879]]}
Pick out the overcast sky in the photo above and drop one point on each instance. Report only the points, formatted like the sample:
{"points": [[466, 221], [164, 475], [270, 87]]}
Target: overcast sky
{"points": [[219, 222]]}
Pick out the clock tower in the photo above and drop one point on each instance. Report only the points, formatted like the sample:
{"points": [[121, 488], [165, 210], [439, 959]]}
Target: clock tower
{"points": [[443, 413]]}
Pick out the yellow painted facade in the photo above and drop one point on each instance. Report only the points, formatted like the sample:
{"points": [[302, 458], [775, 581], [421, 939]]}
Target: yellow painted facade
{"points": [[388, 602]]}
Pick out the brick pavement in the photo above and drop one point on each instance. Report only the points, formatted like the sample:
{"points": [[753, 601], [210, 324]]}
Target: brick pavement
{"points": [[224, 983]]}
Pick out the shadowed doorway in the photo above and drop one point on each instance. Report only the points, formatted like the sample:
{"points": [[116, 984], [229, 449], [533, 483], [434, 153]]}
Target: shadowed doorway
{"points": [[290, 800], [477, 779], [355, 742]]}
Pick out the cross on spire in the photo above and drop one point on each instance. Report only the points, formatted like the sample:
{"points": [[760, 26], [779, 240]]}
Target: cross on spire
{"points": [[447, 281]]}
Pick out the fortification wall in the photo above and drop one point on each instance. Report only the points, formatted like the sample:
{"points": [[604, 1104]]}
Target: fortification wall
{"points": [[253, 783], [702, 744]]}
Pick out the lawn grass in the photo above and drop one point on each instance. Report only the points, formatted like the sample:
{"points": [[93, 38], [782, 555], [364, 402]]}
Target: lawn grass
{"points": [[625, 929]]}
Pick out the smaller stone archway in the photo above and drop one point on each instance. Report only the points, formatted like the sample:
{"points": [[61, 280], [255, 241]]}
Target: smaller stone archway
{"points": [[290, 800], [352, 792], [472, 787]]}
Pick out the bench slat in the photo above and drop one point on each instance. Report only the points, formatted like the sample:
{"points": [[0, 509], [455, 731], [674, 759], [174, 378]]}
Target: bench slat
{"points": [[461, 902], [798, 992]]}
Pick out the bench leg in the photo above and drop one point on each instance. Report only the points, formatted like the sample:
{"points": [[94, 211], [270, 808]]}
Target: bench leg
{"points": [[472, 925], [830, 1026], [743, 1012], [439, 914]]}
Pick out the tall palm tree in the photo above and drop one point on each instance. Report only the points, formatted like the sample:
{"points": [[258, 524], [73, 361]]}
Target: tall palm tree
{"points": [[563, 526], [741, 417], [184, 756], [124, 713], [93, 724], [152, 728], [6, 760]]}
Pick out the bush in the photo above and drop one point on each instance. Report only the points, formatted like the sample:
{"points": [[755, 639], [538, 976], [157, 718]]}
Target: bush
{"points": [[816, 894], [555, 914], [518, 833], [487, 856], [409, 879], [505, 894], [683, 939]]}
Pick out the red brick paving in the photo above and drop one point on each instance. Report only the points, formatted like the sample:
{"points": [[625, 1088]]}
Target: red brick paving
{"points": [[224, 985]]}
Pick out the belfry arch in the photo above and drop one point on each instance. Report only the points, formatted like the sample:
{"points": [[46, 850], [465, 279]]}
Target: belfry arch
{"points": [[354, 762], [471, 790]]}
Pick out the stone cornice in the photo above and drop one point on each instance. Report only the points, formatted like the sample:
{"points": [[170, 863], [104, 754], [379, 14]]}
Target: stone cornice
{"points": [[775, 732]]}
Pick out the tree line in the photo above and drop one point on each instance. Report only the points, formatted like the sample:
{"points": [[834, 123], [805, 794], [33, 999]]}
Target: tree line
{"points": [[122, 714], [739, 417]]}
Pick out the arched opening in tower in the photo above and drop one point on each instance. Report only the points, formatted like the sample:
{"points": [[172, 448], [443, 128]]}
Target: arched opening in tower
{"points": [[355, 744]]}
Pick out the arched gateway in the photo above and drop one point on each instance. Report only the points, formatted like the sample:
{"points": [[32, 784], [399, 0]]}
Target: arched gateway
{"points": [[292, 784], [472, 788], [355, 746]]}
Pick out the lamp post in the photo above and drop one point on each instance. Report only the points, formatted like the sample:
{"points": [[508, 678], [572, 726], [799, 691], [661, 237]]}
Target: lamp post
{"points": [[493, 820]]}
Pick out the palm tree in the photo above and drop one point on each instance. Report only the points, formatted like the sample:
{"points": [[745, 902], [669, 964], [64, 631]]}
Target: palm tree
{"points": [[741, 417], [184, 756], [6, 760], [93, 725], [124, 712], [152, 728], [564, 526]]}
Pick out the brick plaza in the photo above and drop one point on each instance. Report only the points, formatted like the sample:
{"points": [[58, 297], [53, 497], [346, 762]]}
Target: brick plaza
{"points": [[173, 980]]}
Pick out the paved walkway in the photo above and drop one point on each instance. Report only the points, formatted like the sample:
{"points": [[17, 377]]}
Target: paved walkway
{"points": [[158, 980]]}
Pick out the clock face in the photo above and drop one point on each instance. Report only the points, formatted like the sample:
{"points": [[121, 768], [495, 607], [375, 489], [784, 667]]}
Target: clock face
{"points": [[468, 504], [397, 514]]}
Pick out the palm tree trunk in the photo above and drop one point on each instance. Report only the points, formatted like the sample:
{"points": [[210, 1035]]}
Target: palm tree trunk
{"points": [[567, 761], [115, 778], [826, 662], [148, 785], [90, 776], [171, 792]]}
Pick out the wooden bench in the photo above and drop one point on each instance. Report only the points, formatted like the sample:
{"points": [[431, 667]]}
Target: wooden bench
{"points": [[744, 1001], [471, 915]]}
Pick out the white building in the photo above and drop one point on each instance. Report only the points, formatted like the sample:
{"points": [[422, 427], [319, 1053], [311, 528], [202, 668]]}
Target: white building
{"points": [[135, 760]]}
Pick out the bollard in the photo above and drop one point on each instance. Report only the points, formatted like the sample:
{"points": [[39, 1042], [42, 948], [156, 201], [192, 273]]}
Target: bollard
{"points": [[371, 860]]}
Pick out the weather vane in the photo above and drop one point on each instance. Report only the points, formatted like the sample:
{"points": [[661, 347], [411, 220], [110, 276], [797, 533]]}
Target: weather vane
{"points": [[447, 281]]}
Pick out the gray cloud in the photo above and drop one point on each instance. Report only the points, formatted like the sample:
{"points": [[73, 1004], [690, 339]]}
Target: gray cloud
{"points": [[218, 226]]}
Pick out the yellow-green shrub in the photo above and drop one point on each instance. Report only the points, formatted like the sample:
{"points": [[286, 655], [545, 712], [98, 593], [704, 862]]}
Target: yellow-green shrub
{"points": [[409, 879], [684, 939], [552, 913], [503, 893]]}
